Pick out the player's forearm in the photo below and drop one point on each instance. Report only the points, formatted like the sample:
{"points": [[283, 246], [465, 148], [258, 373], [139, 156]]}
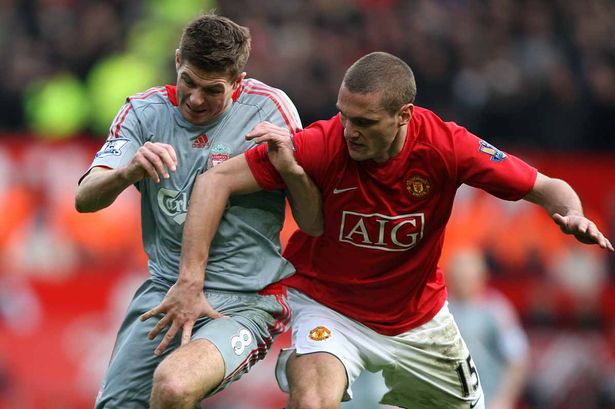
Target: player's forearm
{"points": [[305, 201], [555, 196], [99, 189], [209, 196], [513, 381], [204, 214]]}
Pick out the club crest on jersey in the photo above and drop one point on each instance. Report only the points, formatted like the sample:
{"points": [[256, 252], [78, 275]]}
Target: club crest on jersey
{"points": [[319, 333], [218, 154], [418, 186], [496, 154], [201, 141], [382, 232], [112, 147], [174, 204]]}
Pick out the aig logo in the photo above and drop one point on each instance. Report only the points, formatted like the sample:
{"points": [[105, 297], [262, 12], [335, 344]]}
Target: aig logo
{"points": [[377, 231]]}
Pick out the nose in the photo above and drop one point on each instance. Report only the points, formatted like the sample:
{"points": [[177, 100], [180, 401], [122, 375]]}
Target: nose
{"points": [[349, 131], [196, 99]]}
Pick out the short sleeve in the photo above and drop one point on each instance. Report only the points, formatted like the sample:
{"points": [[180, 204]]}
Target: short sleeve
{"points": [[282, 112], [124, 139], [482, 165], [310, 152]]}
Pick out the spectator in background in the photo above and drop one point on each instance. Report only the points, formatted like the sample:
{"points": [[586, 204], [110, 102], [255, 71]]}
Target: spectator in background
{"points": [[160, 141], [489, 325]]}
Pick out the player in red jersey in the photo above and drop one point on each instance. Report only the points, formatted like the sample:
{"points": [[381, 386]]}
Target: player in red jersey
{"points": [[368, 294]]}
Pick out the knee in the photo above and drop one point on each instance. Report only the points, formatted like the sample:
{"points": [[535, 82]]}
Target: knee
{"points": [[169, 389]]}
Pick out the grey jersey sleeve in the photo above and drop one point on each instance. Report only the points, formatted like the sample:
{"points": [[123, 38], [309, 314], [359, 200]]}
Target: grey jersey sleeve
{"points": [[282, 112], [125, 138]]}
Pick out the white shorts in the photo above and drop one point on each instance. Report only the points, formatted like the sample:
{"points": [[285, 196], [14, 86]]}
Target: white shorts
{"points": [[427, 367]]}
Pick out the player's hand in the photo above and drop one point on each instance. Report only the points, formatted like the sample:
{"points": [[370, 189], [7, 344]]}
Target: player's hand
{"points": [[583, 229], [181, 307], [152, 159], [279, 146]]}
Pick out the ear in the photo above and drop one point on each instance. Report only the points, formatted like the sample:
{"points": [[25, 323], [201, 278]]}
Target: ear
{"points": [[238, 80], [177, 59], [405, 114]]}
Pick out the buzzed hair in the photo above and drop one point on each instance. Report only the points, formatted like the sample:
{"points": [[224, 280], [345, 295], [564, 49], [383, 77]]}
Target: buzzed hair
{"points": [[382, 72], [215, 44]]}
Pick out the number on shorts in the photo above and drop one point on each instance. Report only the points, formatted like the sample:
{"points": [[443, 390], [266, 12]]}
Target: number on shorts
{"points": [[241, 341], [468, 380]]}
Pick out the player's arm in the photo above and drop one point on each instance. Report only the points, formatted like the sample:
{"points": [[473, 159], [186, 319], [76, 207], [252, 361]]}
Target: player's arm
{"points": [[211, 192], [513, 379], [513, 348], [101, 186], [564, 206], [125, 158], [185, 301], [303, 195]]}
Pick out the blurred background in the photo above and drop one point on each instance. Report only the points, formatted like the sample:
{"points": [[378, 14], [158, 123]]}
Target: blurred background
{"points": [[535, 78]]}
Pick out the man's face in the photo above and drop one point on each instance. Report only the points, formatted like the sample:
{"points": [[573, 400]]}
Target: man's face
{"points": [[371, 132], [202, 96]]}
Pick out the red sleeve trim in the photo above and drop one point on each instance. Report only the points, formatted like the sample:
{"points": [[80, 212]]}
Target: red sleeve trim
{"points": [[275, 97], [115, 130], [172, 94], [168, 91], [237, 92]]}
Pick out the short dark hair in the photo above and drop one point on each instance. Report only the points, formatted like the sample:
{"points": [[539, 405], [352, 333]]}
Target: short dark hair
{"points": [[382, 72], [215, 44]]}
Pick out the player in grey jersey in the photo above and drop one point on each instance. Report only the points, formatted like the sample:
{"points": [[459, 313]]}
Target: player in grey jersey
{"points": [[160, 141]]}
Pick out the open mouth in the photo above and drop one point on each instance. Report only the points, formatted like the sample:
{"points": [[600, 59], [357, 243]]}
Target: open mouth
{"points": [[194, 110], [354, 146]]}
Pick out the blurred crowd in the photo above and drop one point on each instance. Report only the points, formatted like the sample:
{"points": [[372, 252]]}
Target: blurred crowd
{"points": [[529, 73], [533, 74], [41, 38]]}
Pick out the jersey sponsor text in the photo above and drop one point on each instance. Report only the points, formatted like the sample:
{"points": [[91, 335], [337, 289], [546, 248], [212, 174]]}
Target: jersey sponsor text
{"points": [[382, 232], [174, 204]]}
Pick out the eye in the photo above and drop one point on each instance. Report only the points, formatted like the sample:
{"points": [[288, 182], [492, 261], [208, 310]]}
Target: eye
{"points": [[188, 81], [362, 122]]}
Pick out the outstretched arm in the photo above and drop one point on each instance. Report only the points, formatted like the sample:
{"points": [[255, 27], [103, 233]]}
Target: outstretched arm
{"points": [[303, 195], [185, 301], [564, 206]]}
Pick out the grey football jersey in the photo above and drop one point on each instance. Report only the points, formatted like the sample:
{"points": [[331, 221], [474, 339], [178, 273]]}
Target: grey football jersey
{"points": [[245, 254]]}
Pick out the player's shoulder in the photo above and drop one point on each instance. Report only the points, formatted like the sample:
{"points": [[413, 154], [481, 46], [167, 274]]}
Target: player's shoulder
{"points": [[152, 103], [154, 95], [254, 92], [327, 132], [428, 127], [428, 123]]}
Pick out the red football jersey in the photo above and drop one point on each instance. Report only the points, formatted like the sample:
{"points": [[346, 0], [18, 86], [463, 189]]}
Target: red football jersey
{"points": [[377, 260]]}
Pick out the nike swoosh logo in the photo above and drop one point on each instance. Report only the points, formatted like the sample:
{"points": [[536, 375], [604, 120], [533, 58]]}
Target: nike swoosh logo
{"points": [[336, 190], [473, 404]]}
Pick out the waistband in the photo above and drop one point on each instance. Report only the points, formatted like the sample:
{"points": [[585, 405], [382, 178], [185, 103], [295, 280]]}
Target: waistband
{"points": [[276, 288]]}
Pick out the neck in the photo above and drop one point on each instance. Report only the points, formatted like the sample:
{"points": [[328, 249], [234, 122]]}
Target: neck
{"points": [[396, 146]]}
